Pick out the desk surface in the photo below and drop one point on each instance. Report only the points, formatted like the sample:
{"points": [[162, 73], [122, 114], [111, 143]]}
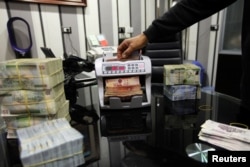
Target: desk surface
{"points": [[177, 124], [188, 115]]}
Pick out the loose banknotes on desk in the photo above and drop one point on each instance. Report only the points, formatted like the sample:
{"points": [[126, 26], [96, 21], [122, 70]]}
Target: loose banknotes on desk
{"points": [[33, 67], [45, 107], [176, 74], [21, 121], [51, 143], [226, 136]]}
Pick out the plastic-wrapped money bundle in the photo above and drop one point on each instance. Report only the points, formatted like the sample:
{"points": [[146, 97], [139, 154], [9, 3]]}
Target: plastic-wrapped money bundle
{"points": [[182, 92], [51, 143], [187, 74], [21, 121], [182, 81], [124, 87]]}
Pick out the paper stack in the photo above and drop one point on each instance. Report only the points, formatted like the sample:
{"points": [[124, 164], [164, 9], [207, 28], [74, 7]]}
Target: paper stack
{"points": [[228, 137], [182, 81], [51, 144], [31, 91], [123, 87]]}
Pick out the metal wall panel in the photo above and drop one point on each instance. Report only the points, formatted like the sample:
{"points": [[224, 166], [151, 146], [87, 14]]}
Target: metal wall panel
{"points": [[106, 20], [6, 52], [23, 10], [135, 8], [52, 28], [46, 22]]}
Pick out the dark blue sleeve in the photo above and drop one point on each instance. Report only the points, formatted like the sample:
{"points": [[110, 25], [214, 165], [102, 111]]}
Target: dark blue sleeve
{"points": [[184, 14]]}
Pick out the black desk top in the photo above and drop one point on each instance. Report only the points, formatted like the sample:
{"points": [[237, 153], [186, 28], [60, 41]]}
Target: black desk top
{"points": [[176, 124], [190, 114]]}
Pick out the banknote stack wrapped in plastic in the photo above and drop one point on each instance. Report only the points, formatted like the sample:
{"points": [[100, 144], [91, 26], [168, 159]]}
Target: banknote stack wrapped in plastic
{"points": [[51, 143], [31, 91], [182, 81], [122, 87]]}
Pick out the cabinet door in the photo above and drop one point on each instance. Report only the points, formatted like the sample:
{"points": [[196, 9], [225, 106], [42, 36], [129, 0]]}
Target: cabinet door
{"points": [[229, 52], [231, 29]]}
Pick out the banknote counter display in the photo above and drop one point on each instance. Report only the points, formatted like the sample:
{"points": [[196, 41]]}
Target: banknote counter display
{"points": [[134, 67]]}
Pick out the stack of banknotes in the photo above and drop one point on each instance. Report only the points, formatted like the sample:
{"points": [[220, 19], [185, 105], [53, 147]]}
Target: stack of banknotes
{"points": [[122, 87], [31, 91], [182, 81], [51, 144], [181, 74], [229, 137]]}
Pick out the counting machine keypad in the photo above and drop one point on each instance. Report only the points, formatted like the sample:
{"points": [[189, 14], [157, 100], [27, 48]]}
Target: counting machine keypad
{"points": [[123, 68]]}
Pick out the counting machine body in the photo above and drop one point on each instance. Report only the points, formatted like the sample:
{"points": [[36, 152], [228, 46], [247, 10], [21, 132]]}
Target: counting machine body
{"points": [[127, 119], [116, 69]]}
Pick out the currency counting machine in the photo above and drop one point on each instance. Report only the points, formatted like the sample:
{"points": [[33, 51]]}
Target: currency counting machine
{"points": [[124, 118]]}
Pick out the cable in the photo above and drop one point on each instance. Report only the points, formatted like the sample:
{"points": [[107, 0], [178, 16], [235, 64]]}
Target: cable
{"points": [[71, 44]]}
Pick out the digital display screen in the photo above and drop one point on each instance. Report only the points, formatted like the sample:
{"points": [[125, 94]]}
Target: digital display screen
{"points": [[115, 68], [121, 68]]}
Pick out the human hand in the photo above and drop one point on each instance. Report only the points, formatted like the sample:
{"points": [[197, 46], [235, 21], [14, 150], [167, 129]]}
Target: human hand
{"points": [[128, 46]]}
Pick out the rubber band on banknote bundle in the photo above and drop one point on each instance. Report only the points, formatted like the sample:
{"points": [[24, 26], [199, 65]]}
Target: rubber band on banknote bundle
{"points": [[240, 125], [56, 159], [205, 107]]}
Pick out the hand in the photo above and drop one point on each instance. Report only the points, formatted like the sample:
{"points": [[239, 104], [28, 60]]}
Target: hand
{"points": [[128, 46]]}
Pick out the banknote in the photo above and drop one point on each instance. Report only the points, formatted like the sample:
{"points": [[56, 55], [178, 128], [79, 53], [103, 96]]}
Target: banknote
{"points": [[226, 136], [30, 96], [46, 107], [51, 143], [181, 74], [31, 83], [182, 92], [124, 88], [34, 67], [216, 128], [124, 81], [21, 121]]}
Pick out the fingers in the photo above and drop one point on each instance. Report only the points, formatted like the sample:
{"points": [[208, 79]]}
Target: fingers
{"points": [[127, 52], [122, 49], [128, 46]]}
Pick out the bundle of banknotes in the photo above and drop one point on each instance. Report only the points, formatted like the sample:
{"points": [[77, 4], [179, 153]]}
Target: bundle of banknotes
{"points": [[182, 92], [182, 82], [35, 67], [179, 74], [18, 121], [122, 87], [35, 74], [51, 143], [31, 92], [226, 136]]}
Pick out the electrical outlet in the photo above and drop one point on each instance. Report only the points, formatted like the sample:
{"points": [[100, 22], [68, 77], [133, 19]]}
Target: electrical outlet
{"points": [[66, 30], [121, 30]]}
